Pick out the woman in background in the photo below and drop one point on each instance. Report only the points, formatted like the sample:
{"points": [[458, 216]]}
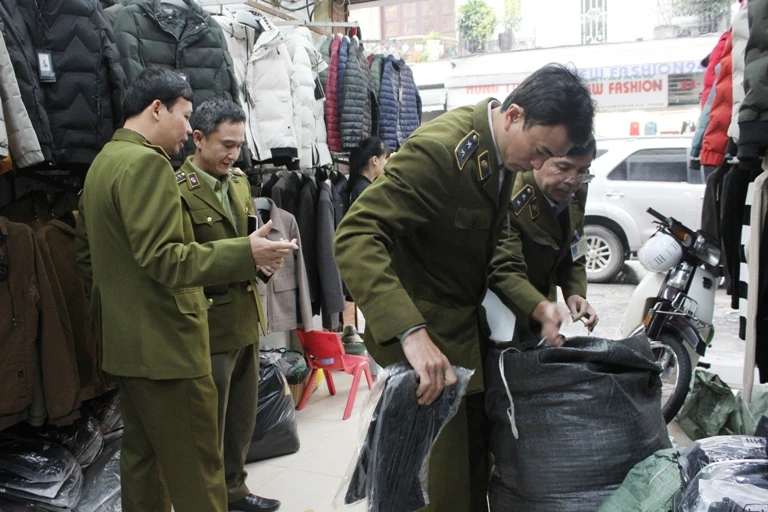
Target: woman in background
{"points": [[367, 164]]}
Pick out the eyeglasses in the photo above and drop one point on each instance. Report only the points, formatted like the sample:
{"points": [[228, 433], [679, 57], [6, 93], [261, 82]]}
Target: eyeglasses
{"points": [[579, 178]]}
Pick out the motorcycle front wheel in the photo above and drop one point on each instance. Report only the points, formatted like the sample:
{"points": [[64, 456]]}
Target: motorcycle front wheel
{"points": [[676, 373]]}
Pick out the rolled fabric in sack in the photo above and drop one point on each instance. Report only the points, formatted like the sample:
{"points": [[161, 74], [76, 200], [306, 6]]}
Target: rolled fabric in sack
{"points": [[585, 415]]}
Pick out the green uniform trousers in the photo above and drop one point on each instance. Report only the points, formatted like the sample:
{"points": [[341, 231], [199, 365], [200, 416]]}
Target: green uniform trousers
{"points": [[169, 451], [236, 375], [459, 466]]}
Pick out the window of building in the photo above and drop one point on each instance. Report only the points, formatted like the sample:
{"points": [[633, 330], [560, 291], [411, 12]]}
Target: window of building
{"points": [[664, 165], [419, 18], [594, 21]]}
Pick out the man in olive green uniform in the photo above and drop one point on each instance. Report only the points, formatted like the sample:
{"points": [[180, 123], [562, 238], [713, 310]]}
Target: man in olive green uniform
{"points": [[542, 245], [217, 200], [137, 251], [414, 251]]}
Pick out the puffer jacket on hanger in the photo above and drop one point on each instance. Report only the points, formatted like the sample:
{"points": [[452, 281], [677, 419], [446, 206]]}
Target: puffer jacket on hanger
{"points": [[332, 121], [399, 103], [307, 62], [740, 27], [410, 107], [17, 135], [273, 97], [85, 103], [152, 34], [21, 51], [343, 60], [356, 102], [377, 67], [716, 135], [709, 74], [325, 50], [753, 115]]}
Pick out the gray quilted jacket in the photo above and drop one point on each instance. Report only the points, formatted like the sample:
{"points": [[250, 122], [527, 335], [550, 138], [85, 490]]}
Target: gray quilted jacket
{"points": [[356, 119]]}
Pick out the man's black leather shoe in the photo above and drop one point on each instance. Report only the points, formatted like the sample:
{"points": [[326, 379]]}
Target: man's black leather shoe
{"points": [[253, 503]]}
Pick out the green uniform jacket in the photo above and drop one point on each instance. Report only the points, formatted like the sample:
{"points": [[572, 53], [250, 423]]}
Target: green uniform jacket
{"points": [[533, 257], [233, 319], [146, 270], [414, 249]]}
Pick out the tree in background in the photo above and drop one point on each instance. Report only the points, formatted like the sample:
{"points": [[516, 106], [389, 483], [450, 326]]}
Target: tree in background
{"points": [[477, 22], [512, 19], [708, 12]]}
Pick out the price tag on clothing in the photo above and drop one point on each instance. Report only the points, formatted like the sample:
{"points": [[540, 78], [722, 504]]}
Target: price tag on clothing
{"points": [[45, 67], [579, 248]]}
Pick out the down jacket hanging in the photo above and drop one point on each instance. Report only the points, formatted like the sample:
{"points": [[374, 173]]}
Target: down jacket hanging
{"points": [[273, 97], [716, 135], [331, 98], [399, 103], [307, 63], [152, 34], [753, 115], [17, 135], [740, 27], [85, 103], [356, 100]]}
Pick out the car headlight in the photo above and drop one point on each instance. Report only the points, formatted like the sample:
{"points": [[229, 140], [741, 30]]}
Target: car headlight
{"points": [[706, 251]]}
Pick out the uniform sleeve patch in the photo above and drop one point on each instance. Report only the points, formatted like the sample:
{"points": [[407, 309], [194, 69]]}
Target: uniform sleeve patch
{"points": [[466, 148], [521, 199]]}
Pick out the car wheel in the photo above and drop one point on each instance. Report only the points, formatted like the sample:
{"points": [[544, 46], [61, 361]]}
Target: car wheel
{"points": [[605, 256]]}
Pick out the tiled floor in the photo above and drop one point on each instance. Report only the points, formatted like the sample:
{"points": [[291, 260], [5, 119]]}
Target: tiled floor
{"points": [[308, 480]]}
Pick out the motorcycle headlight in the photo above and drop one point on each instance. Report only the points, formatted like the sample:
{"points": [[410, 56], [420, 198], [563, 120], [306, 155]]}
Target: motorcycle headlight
{"points": [[706, 251]]}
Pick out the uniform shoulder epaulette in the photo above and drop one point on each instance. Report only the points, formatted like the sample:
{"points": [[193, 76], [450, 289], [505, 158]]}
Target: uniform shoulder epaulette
{"points": [[522, 198], [466, 147], [235, 174], [158, 149], [181, 177]]}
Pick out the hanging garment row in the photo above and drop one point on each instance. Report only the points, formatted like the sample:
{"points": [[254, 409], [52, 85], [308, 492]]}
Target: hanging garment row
{"points": [[239, 56], [729, 144]]}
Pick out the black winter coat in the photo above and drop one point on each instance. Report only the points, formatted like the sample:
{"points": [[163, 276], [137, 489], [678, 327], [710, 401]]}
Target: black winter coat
{"points": [[150, 34], [84, 104], [21, 50]]}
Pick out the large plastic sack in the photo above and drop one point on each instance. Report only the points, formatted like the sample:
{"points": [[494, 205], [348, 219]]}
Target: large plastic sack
{"points": [[106, 410], [276, 432], [707, 408], [730, 486], [391, 464], [39, 471], [704, 452], [568, 424], [101, 489], [649, 487], [83, 438], [745, 418], [11, 506]]}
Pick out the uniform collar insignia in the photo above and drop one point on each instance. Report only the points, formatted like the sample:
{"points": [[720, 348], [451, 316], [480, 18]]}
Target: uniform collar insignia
{"points": [[194, 181], [483, 166], [534, 208], [158, 149], [521, 199], [466, 147]]}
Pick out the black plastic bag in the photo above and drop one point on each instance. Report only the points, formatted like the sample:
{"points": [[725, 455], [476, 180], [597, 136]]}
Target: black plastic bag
{"points": [[704, 452], [12, 506], [39, 471], [276, 432], [101, 490], [581, 417], [391, 465], [729, 486]]}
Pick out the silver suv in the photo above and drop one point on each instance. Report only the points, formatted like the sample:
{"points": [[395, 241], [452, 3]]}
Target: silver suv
{"points": [[631, 175]]}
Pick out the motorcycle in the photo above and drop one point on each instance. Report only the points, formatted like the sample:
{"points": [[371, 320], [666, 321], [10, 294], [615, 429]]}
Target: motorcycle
{"points": [[674, 304]]}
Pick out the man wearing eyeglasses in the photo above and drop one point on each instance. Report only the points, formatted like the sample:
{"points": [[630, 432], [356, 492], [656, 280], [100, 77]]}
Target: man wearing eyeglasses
{"points": [[542, 246]]}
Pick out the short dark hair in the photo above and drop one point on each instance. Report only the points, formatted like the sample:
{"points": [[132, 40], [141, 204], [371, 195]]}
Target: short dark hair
{"points": [[556, 95], [590, 148], [155, 84], [210, 114]]}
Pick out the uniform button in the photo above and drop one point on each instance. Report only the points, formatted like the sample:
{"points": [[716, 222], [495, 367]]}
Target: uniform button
{"points": [[210, 302], [250, 288], [209, 220], [474, 138]]}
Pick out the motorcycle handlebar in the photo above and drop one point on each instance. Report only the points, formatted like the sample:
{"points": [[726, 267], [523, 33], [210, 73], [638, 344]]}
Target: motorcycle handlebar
{"points": [[656, 214]]}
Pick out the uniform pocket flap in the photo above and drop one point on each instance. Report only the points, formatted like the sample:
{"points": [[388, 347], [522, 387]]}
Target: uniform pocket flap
{"points": [[474, 218], [284, 284], [191, 302], [205, 216], [220, 298]]}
